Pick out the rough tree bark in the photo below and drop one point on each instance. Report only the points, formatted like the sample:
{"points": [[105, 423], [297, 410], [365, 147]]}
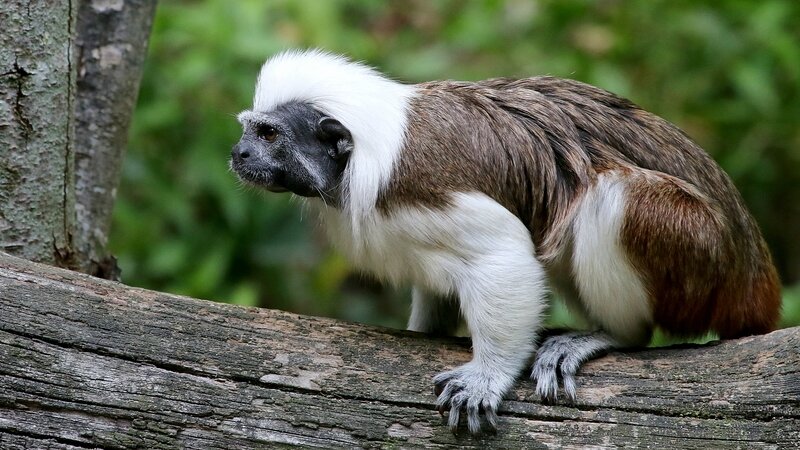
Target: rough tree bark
{"points": [[36, 122], [69, 73], [111, 45], [89, 363]]}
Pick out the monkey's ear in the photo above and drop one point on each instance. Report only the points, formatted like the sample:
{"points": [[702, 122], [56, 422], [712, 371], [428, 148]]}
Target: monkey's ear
{"points": [[333, 131]]}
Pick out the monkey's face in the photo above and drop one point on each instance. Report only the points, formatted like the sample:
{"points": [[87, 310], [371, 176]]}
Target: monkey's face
{"points": [[293, 148]]}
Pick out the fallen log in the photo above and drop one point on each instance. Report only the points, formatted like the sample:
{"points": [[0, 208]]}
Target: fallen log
{"points": [[90, 363]]}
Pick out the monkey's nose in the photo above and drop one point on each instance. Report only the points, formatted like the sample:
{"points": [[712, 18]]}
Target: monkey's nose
{"points": [[240, 151]]}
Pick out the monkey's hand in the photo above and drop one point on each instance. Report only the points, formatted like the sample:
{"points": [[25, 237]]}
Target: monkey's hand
{"points": [[561, 355], [472, 389]]}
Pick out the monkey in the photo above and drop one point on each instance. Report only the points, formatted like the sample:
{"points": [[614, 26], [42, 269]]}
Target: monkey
{"points": [[488, 196]]}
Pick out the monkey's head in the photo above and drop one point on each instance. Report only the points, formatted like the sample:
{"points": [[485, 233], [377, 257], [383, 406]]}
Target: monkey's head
{"points": [[293, 148]]}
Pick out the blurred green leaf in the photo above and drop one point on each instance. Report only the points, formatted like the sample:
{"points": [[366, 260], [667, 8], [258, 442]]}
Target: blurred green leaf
{"points": [[791, 306]]}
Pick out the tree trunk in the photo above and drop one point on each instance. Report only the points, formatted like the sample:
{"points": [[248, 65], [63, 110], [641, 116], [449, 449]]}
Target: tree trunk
{"points": [[89, 363], [68, 81], [37, 92], [111, 44]]}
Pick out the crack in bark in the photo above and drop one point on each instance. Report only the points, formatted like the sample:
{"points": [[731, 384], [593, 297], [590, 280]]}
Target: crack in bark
{"points": [[65, 256], [45, 438], [109, 413], [656, 411], [174, 368], [37, 405], [105, 411], [18, 74]]}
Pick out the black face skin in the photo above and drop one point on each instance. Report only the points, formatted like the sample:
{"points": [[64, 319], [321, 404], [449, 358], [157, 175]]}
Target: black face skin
{"points": [[294, 148]]}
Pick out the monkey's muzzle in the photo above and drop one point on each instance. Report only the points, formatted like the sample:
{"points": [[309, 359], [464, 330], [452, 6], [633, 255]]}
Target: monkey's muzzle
{"points": [[252, 169]]}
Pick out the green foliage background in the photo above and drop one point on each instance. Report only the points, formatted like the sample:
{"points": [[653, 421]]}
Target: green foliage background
{"points": [[727, 72]]}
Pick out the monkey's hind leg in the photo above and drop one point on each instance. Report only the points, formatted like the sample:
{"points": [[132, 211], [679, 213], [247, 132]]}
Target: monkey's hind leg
{"points": [[561, 355], [610, 291]]}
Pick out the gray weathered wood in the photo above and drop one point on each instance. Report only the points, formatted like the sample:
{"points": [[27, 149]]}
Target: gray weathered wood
{"points": [[88, 363]]}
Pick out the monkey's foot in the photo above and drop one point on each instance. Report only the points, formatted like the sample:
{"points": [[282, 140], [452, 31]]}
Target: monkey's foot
{"points": [[473, 390], [560, 356]]}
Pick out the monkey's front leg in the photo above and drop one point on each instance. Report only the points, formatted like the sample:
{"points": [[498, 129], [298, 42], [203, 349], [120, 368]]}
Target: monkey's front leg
{"points": [[502, 296]]}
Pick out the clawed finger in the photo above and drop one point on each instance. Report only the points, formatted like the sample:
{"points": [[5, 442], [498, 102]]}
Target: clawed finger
{"points": [[461, 395], [491, 417], [452, 420]]}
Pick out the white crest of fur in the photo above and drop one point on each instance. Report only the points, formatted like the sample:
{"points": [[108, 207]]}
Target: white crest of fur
{"points": [[368, 104]]}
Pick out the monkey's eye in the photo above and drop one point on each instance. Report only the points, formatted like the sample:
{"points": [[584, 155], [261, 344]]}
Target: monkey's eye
{"points": [[267, 132]]}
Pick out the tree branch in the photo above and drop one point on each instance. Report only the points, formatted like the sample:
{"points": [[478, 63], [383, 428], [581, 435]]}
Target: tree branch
{"points": [[88, 363]]}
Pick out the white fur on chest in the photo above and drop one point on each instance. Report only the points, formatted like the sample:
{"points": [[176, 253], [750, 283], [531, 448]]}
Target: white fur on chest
{"points": [[433, 248]]}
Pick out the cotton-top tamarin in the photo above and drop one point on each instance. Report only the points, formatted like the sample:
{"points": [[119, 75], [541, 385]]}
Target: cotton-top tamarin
{"points": [[485, 195]]}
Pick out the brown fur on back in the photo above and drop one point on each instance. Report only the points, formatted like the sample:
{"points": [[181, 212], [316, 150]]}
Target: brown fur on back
{"points": [[536, 145]]}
